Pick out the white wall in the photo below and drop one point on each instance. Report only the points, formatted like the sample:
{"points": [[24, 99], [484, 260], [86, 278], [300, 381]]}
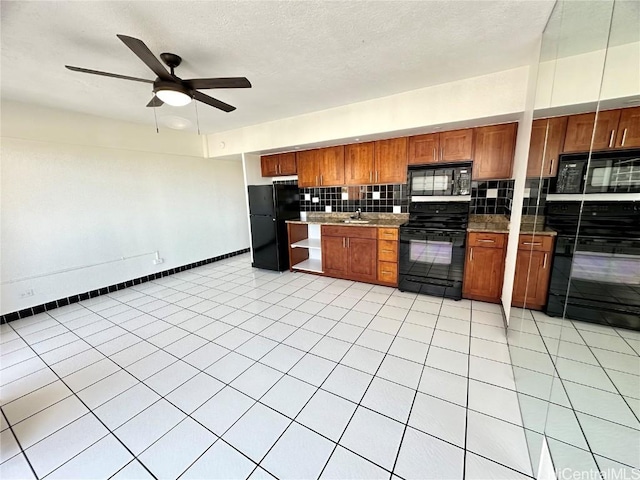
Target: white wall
{"points": [[488, 96], [79, 190], [578, 79]]}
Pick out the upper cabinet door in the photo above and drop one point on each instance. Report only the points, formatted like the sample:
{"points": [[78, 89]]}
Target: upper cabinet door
{"points": [[331, 166], [456, 145], [547, 139], [391, 160], [580, 131], [269, 165], [494, 149], [359, 163], [424, 149], [629, 128], [288, 163], [307, 162]]}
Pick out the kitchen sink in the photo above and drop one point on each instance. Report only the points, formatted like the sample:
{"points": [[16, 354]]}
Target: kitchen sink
{"points": [[356, 221]]}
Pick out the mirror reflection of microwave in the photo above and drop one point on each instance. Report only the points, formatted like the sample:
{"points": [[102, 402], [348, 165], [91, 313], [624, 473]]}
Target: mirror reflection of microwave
{"points": [[440, 180], [605, 172]]}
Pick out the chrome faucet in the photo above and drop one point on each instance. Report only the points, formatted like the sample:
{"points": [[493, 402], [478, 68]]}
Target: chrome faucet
{"points": [[358, 214]]}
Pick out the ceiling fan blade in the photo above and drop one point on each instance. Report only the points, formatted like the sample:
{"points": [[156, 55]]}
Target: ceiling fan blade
{"points": [[107, 74], [205, 83], [201, 97], [155, 102], [142, 51]]}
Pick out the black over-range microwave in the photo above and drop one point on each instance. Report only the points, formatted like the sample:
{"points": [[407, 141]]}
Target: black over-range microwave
{"points": [[605, 172], [440, 180]]}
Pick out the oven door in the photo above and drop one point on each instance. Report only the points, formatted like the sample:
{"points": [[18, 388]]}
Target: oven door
{"points": [[432, 262], [600, 278]]}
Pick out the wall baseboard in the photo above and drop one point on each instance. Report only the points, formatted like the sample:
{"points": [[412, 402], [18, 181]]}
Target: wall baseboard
{"points": [[28, 312]]}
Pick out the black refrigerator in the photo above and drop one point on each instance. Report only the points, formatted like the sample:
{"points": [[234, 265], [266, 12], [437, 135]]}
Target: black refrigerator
{"points": [[269, 207]]}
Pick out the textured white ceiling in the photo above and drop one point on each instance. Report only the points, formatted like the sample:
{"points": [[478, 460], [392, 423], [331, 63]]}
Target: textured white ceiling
{"points": [[301, 56]]}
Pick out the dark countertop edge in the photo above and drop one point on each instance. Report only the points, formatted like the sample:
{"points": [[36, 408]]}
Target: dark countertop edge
{"points": [[342, 224]]}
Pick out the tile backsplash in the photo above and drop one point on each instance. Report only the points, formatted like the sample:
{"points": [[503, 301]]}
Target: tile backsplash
{"points": [[487, 198], [368, 198], [535, 190]]}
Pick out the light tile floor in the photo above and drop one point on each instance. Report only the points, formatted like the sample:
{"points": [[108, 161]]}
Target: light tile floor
{"points": [[226, 371], [591, 375]]}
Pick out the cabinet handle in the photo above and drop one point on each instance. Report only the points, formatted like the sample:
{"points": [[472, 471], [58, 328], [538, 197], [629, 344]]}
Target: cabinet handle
{"points": [[316, 179], [348, 246], [376, 176], [532, 243], [471, 254], [320, 179], [486, 241], [386, 272], [611, 138], [551, 166], [544, 263], [441, 153], [388, 251], [280, 169], [624, 136], [434, 154]]}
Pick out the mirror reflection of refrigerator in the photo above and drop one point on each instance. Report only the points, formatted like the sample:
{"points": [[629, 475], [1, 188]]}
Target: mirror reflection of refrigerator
{"points": [[269, 208]]}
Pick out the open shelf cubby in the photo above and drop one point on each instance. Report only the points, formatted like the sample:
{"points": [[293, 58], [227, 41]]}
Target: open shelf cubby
{"points": [[305, 247]]}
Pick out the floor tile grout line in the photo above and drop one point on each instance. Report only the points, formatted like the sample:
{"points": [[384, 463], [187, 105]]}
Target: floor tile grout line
{"points": [[22, 451], [415, 395], [611, 380], [286, 373], [360, 404], [89, 411], [573, 410], [293, 420]]}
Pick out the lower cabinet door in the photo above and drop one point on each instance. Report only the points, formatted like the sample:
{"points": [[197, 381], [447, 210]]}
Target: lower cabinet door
{"points": [[531, 281], [362, 259], [335, 256], [483, 274]]}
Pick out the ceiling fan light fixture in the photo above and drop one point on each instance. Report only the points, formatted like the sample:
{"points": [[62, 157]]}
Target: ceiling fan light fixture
{"points": [[172, 94]]}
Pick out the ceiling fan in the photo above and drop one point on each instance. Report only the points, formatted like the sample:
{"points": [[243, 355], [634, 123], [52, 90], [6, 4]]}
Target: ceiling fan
{"points": [[167, 87]]}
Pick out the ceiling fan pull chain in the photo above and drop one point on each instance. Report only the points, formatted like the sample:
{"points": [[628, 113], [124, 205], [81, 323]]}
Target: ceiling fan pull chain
{"points": [[156, 117], [197, 116]]}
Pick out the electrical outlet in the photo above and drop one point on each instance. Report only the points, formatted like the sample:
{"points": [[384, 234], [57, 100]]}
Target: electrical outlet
{"points": [[158, 261], [27, 293]]}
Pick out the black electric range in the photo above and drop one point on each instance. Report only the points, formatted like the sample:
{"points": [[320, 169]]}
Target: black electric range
{"points": [[432, 248]]}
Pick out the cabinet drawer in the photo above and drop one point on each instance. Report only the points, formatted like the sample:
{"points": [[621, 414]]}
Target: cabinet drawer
{"points": [[388, 233], [388, 272], [388, 250], [351, 232], [486, 239], [538, 243]]}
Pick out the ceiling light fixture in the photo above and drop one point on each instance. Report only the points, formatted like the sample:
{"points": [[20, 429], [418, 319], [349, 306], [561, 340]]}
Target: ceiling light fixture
{"points": [[172, 94]]}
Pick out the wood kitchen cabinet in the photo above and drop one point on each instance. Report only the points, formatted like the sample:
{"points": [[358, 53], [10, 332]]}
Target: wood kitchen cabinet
{"points": [[443, 147], [322, 167], [388, 256], [547, 140], [628, 134], [493, 152], [350, 252], [391, 160], [359, 163], [533, 269], [580, 131], [383, 161], [484, 266], [278, 165]]}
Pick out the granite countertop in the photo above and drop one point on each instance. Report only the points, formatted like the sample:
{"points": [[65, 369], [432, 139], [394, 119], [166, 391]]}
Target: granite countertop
{"points": [[375, 219], [500, 224]]}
